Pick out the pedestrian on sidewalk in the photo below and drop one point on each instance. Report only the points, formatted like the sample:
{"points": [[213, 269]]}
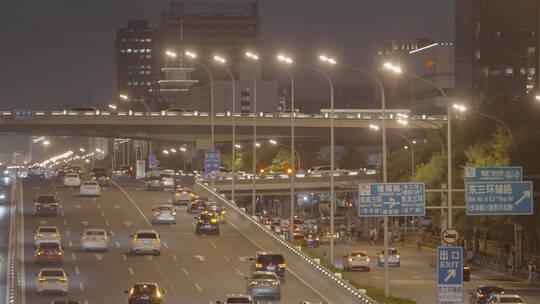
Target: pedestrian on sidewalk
{"points": [[532, 271]]}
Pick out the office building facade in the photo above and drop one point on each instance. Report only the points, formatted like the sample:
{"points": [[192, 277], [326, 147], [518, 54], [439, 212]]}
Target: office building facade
{"points": [[496, 48], [136, 62]]}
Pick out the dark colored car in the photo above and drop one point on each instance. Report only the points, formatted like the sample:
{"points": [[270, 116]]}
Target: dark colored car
{"points": [[482, 293], [46, 205], [311, 240], [100, 175], [198, 205], [49, 252], [145, 293], [267, 261], [183, 197], [207, 223], [154, 183]]}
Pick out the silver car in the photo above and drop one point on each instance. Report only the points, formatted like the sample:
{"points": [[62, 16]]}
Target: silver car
{"points": [[95, 239], [164, 214], [264, 284]]}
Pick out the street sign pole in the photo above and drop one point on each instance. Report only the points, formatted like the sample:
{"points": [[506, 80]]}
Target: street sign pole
{"points": [[449, 274]]}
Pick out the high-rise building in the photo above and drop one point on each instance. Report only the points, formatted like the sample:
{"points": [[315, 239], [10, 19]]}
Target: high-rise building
{"points": [[435, 63], [136, 61], [396, 51], [209, 28], [496, 48]]}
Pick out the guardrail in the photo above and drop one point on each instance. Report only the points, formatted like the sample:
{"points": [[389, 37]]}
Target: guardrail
{"points": [[307, 259], [9, 115], [14, 292]]}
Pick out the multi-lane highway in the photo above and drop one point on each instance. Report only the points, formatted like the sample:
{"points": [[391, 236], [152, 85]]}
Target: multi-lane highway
{"points": [[192, 268], [5, 210]]}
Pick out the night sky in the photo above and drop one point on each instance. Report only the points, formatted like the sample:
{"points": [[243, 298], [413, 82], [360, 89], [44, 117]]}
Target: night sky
{"points": [[61, 52]]}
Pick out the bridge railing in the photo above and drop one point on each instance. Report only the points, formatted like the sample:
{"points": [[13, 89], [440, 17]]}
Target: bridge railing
{"points": [[9, 115], [15, 271], [362, 297]]}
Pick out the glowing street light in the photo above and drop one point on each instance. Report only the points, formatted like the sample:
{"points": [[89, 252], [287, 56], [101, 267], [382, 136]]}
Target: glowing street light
{"points": [[258, 145], [165, 152], [82, 150], [284, 58], [238, 146], [112, 107], [183, 149], [327, 59], [459, 107], [170, 54], [191, 54], [374, 127], [252, 56], [173, 150], [123, 96], [396, 69], [46, 143], [220, 59]]}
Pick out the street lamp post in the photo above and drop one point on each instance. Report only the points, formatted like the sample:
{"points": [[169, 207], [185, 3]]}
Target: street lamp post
{"points": [[462, 108], [127, 98], [254, 57], [288, 60], [222, 61], [332, 147], [397, 69]]}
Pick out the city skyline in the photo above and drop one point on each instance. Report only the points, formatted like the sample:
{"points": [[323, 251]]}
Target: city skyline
{"points": [[76, 47]]}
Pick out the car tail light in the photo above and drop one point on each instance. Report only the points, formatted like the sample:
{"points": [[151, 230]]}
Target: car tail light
{"points": [[156, 240], [135, 240], [156, 213], [350, 259], [42, 279], [37, 204], [55, 204], [39, 235], [275, 283], [258, 265], [367, 260], [282, 265], [59, 253], [39, 253], [253, 283], [62, 279]]}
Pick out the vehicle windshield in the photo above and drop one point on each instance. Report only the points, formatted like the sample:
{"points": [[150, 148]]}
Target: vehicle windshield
{"points": [[72, 175], [47, 230], [50, 245], [90, 184], [491, 289], [238, 300], [263, 276], [46, 199], [510, 300], [94, 232], [146, 235], [144, 289], [270, 259], [164, 208], [298, 236], [207, 217], [52, 273]]}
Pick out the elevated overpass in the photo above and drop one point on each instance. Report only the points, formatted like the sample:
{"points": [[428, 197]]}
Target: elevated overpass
{"points": [[193, 126]]}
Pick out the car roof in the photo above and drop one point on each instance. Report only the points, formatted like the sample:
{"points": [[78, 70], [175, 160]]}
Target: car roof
{"points": [[145, 283], [146, 231], [54, 227], [94, 229], [238, 296], [508, 296], [164, 205], [263, 272], [52, 269]]}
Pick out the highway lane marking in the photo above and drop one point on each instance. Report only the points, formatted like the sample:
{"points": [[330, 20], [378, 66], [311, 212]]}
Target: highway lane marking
{"points": [[117, 244], [185, 215], [165, 245], [185, 271], [376, 277], [149, 258], [77, 270], [37, 187], [226, 258], [116, 206], [102, 213], [166, 279], [78, 206], [98, 206], [174, 257], [70, 244], [111, 232], [177, 233], [107, 223], [62, 213], [133, 202], [239, 272], [43, 223], [417, 277], [99, 257], [124, 257], [94, 199], [127, 223], [65, 223], [81, 286], [213, 244], [67, 233], [21, 235], [194, 225], [73, 256], [131, 272], [198, 287], [84, 223], [289, 270]]}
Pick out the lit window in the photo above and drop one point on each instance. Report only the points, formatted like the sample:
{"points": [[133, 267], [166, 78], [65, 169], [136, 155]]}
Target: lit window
{"points": [[136, 40], [148, 40], [148, 50], [149, 67], [148, 56], [531, 71], [531, 51], [142, 50], [148, 72], [135, 50], [509, 71], [476, 53], [129, 83], [129, 50], [523, 71], [122, 51]]}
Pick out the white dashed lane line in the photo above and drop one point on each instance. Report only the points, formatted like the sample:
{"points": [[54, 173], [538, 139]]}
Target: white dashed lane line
{"points": [[117, 244], [77, 270], [198, 287], [185, 271], [124, 257], [131, 272], [81, 286], [174, 257], [226, 258]]}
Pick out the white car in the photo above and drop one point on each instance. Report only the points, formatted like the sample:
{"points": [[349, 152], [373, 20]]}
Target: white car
{"points": [[94, 239], [356, 260], [72, 180], [90, 188], [506, 298], [46, 234], [52, 280], [164, 214], [145, 241], [393, 258], [182, 197], [168, 181]]}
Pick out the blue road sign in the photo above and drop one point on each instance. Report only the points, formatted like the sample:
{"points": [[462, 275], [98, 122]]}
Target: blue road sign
{"points": [[152, 161], [450, 274], [212, 160], [21, 114], [499, 198], [493, 174], [392, 199]]}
